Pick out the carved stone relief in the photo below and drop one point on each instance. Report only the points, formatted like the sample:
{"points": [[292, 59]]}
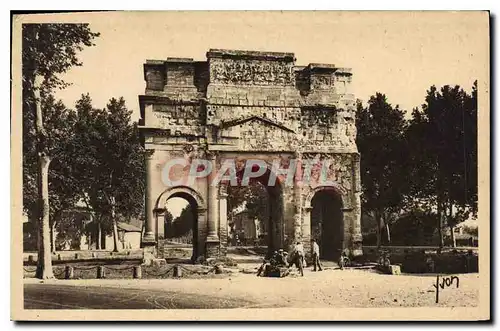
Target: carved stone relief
{"points": [[251, 72], [185, 118], [257, 135], [337, 168], [321, 81]]}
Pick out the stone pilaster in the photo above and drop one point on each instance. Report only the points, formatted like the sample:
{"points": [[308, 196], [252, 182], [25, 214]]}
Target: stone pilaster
{"points": [[306, 231], [357, 238], [348, 219], [149, 238], [297, 194], [160, 223], [302, 232], [223, 219], [212, 242], [306, 223]]}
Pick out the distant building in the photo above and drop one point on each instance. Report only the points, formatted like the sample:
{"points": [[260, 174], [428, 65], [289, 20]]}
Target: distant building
{"points": [[463, 237], [85, 233], [248, 230], [129, 237], [29, 236]]}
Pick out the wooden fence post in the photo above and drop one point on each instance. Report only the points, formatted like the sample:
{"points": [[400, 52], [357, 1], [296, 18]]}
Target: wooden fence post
{"points": [[137, 272], [177, 271], [100, 272], [68, 272]]}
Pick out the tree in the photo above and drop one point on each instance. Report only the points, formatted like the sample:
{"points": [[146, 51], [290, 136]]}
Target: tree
{"points": [[256, 199], [83, 151], [70, 229], [63, 192], [381, 143], [169, 218], [257, 204], [47, 51], [183, 225], [443, 136], [63, 188], [30, 192], [110, 162], [415, 228], [237, 195]]}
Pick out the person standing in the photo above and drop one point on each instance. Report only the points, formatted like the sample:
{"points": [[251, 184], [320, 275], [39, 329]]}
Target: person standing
{"points": [[299, 257], [315, 255]]}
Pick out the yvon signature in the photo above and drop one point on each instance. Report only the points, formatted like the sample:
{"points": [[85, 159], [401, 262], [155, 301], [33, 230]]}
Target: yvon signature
{"points": [[446, 281]]}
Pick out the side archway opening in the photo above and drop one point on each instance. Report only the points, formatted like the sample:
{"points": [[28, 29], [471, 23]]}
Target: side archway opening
{"points": [[178, 224], [327, 222]]}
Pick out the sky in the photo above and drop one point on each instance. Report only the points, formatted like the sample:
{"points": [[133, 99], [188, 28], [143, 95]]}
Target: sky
{"points": [[175, 206], [397, 53]]}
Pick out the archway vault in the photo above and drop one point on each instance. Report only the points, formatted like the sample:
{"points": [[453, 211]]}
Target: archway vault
{"points": [[185, 192], [337, 190], [199, 209], [327, 222]]}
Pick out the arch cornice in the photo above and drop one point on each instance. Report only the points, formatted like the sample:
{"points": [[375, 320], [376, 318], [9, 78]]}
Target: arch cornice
{"points": [[180, 191], [340, 191]]}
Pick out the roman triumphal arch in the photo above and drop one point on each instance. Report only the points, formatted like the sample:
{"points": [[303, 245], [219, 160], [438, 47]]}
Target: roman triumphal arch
{"points": [[239, 106]]}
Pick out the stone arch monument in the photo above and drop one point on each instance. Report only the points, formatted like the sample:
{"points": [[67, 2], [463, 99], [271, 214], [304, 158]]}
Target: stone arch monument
{"points": [[243, 105]]}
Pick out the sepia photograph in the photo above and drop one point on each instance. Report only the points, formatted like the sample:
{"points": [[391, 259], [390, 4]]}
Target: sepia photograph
{"points": [[250, 165]]}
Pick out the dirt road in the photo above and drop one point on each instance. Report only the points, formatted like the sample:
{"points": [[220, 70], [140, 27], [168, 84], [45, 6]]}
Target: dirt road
{"points": [[329, 288]]}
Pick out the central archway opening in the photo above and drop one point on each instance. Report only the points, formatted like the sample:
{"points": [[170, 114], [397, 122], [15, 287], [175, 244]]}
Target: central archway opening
{"points": [[327, 224], [181, 222], [255, 217]]}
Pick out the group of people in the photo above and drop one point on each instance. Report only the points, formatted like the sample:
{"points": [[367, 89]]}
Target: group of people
{"points": [[280, 259]]}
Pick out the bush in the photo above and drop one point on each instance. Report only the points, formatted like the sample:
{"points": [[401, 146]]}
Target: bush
{"points": [[416, 228]]}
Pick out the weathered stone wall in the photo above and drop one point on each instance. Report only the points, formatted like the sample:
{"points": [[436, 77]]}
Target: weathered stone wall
{"points": [[179, 72], [253, 105], [160, 192]]}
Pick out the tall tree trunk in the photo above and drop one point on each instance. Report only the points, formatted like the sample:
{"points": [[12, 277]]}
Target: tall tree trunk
{"points": [[115, 237], [452, 233], [452, 226], [53, 237], [388, 232], [44, 264], [378, 218], [440, 213], [115, 227], [99, 235], [440, 199]]}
